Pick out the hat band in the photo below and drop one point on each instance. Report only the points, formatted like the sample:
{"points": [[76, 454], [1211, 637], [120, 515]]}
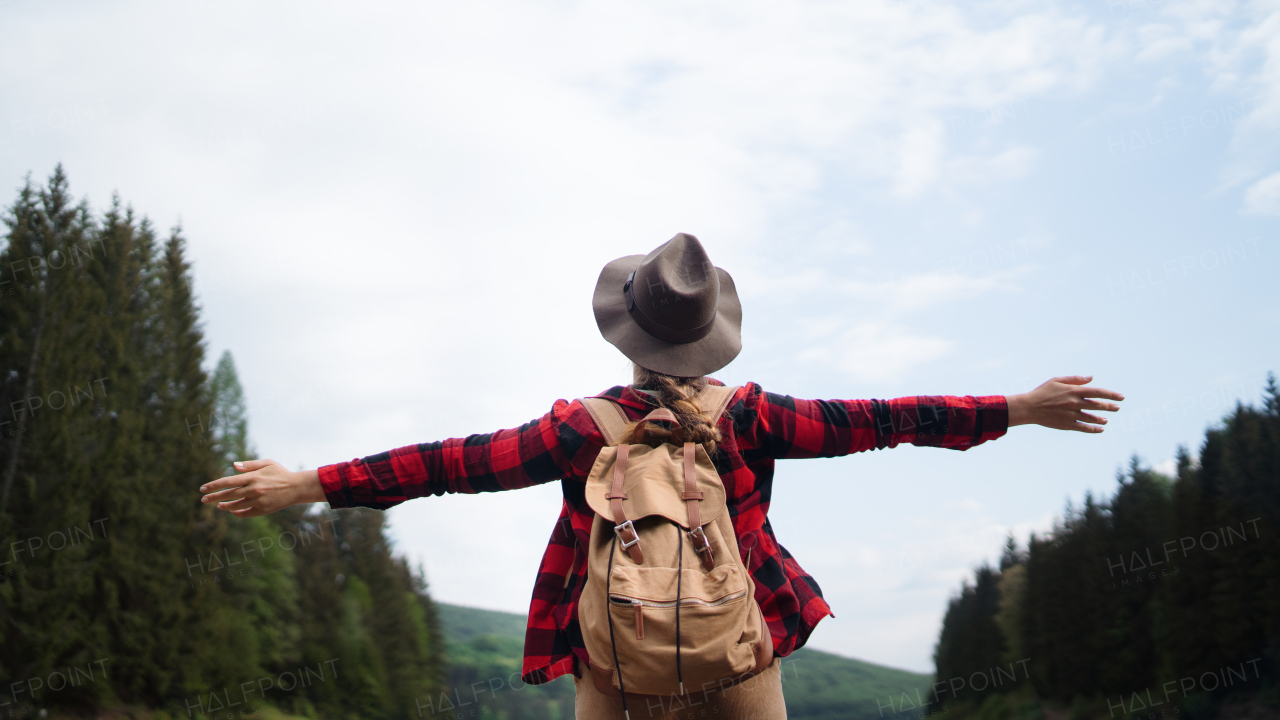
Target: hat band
{"points": [[657, 329]]}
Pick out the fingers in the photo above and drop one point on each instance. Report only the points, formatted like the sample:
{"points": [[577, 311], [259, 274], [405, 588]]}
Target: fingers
{"points": [[245, 487], [1073, 379], [244, 507], [1085, 422], [233, 481], [1083, 416], [233, 493], [233, 504], [1095, 405], [1092, 392], [1097, 392], [251, 465]]}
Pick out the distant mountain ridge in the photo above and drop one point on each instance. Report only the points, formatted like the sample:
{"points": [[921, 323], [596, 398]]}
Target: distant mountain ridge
{"points": [[486, 646]]}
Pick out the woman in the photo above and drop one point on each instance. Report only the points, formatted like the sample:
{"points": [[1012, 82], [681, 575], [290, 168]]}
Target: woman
{"points": [[677, 317]]}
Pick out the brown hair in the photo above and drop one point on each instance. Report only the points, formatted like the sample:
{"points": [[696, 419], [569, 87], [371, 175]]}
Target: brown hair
{"points": [[674, 393]]}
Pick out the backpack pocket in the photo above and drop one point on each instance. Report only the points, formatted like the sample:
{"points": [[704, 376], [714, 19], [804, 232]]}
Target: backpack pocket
{"points": [[713, 608]]}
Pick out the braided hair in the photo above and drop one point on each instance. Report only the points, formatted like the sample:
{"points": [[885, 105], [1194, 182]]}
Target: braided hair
{"points": [[674, 394]]}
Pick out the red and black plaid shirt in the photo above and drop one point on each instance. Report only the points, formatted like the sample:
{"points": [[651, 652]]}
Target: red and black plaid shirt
{"points": [[758, 428]]}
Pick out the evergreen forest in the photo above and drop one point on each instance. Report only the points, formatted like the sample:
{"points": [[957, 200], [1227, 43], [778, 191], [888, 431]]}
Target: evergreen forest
{"points": [[118, 588], [1161, 601]]}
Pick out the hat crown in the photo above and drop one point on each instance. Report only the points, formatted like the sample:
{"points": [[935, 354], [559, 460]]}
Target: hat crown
{"points": [[670, 311], [676, 285]]}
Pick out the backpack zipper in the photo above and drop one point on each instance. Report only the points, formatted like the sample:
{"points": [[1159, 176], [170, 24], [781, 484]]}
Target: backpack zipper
{"points": [[640, 605], [624, 600]]}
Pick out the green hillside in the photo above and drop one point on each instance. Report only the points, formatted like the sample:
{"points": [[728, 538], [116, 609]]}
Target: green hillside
{"points": [[482, 678], [485, 648], [823, 686]]}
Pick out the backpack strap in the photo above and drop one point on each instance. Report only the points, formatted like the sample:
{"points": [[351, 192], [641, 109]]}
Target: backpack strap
{"points": [[611, 419], [714, 399], [692, 495], [623, 527], [711, 401]]}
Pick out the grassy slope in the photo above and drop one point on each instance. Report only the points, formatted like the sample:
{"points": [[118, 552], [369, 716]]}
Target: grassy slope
{"points": [[483, 676], [818, 685], [823, 686]]}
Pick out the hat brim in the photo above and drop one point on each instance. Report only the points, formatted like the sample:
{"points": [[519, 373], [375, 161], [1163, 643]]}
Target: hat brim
{"points": [[693, 359]]}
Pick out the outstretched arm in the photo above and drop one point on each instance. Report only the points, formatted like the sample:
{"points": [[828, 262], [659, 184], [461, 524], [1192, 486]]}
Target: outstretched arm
{"points": [[783, 427], [560, 443], [787, 427]]}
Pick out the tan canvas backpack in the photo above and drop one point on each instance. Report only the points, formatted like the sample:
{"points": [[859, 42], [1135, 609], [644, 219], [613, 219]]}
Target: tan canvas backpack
{"points": [[668, 607]]}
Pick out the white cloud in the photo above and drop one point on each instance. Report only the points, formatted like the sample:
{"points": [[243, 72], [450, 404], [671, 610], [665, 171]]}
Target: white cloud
{"points": [[1263, 197], [874, 352], [836, 335], [1008, 165], [919, 159], [1158, 41]]}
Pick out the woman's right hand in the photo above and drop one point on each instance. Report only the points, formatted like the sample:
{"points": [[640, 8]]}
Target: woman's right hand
{"points": [[263, 487], [1060, 403]]}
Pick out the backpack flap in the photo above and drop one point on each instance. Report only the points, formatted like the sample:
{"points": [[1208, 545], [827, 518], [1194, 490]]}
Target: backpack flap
{"points": [[654, 484]]}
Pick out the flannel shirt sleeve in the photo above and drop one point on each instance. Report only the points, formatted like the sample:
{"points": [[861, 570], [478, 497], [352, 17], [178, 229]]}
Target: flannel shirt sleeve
{"points": [[786, 427], [564, 442]]}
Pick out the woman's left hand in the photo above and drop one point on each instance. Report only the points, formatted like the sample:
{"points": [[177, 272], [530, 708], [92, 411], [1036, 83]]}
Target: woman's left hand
{"points": [[1060, 403]]}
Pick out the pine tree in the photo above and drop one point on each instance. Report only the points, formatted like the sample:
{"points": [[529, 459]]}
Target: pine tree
{"points": [[1242, 541], [1185, 634], [1013, 589], [1069, 603], [1141, 521], [149, 468], [52, 437], [971, 642], [1268, 470], [261, 596], [229, 422]]}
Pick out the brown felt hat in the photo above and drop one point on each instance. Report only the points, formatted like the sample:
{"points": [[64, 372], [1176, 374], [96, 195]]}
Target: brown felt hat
{"points": [[670, 311]]}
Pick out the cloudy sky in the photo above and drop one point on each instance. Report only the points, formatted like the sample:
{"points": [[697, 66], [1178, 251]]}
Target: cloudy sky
{"points": [[397, 212]]}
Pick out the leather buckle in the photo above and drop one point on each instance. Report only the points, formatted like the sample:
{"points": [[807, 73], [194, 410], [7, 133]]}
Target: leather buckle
{"points": [[700, 541], [635, 537]]}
